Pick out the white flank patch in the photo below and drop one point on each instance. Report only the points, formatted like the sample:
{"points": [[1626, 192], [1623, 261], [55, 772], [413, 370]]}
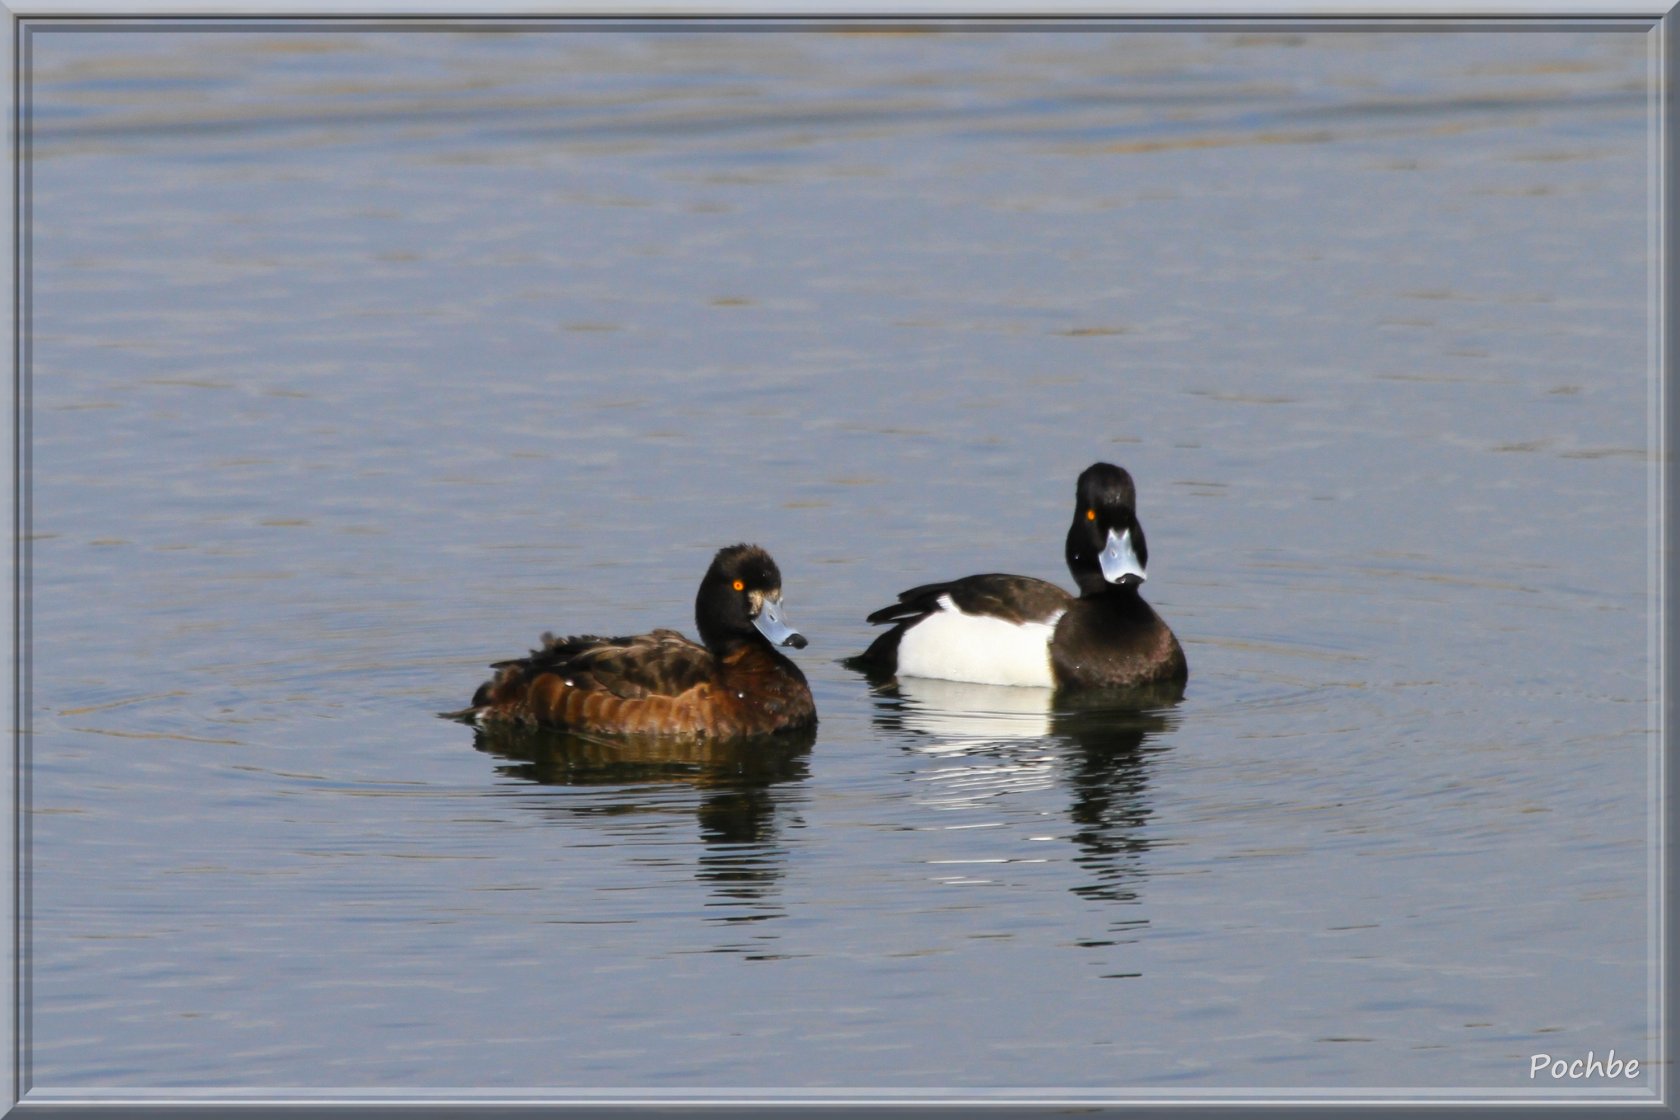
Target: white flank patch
{"points": [[954, 646]]}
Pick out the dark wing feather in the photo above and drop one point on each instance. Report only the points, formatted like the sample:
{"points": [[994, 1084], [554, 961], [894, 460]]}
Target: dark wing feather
{"points": [[660, 663], [1012, 598]]}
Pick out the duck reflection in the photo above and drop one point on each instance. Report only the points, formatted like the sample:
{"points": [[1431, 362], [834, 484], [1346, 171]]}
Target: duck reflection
{"points": [[994, 740], [1108, 772], [742, 858]]}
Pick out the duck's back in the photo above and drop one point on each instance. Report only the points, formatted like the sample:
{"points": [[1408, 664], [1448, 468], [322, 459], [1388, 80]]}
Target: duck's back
{"points": [[659, 683]]}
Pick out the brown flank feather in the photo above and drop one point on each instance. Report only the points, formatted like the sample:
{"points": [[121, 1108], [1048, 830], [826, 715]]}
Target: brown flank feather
{"points": [[659, 684]]}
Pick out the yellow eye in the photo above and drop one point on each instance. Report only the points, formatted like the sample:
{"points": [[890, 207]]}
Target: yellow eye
{"points": [[1090, 515], [740, 586]]}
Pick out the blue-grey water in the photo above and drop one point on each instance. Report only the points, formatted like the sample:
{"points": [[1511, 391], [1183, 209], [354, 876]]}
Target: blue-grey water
{"points": [[360, 357]]}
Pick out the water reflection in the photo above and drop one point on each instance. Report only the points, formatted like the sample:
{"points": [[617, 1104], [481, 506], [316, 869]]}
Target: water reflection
{"points": [[1108, 772], [742, 860], [994, 741]]}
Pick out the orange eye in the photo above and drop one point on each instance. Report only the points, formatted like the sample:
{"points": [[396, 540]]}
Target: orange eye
{"points": [[740, 586], [1090, 515]]}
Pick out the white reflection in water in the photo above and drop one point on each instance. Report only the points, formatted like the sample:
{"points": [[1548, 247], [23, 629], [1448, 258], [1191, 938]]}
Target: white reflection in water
{"points": [[996, 759], [959, 713], [990, 739]]}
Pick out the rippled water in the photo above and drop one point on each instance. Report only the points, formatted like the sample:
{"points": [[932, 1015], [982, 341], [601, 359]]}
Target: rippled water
{"points": [[360, 357]]}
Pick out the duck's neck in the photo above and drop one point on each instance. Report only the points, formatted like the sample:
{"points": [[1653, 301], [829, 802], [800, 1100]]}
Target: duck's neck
{"points": [[754, 655], [1092, 585], [728, 642]]}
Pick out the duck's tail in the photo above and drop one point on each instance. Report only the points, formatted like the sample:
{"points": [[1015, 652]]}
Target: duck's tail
{"points": [[503, 688]]}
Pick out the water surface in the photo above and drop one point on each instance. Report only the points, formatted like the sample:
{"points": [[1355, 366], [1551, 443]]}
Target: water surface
{"points": [[360, 358]]}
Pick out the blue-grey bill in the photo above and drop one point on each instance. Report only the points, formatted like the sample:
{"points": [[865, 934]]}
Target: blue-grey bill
{"points": [[1118, 558], [773, 625]]}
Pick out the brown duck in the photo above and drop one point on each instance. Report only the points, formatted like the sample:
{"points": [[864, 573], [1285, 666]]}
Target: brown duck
{"points": [[735, 684]]}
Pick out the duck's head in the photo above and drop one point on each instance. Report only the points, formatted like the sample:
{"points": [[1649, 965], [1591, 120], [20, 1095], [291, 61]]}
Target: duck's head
{"points": [[1105, 545], [741, 595]]}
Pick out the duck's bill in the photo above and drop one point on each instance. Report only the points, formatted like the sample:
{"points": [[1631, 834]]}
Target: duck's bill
{"points": [[1119, 560], [772, 623]]}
